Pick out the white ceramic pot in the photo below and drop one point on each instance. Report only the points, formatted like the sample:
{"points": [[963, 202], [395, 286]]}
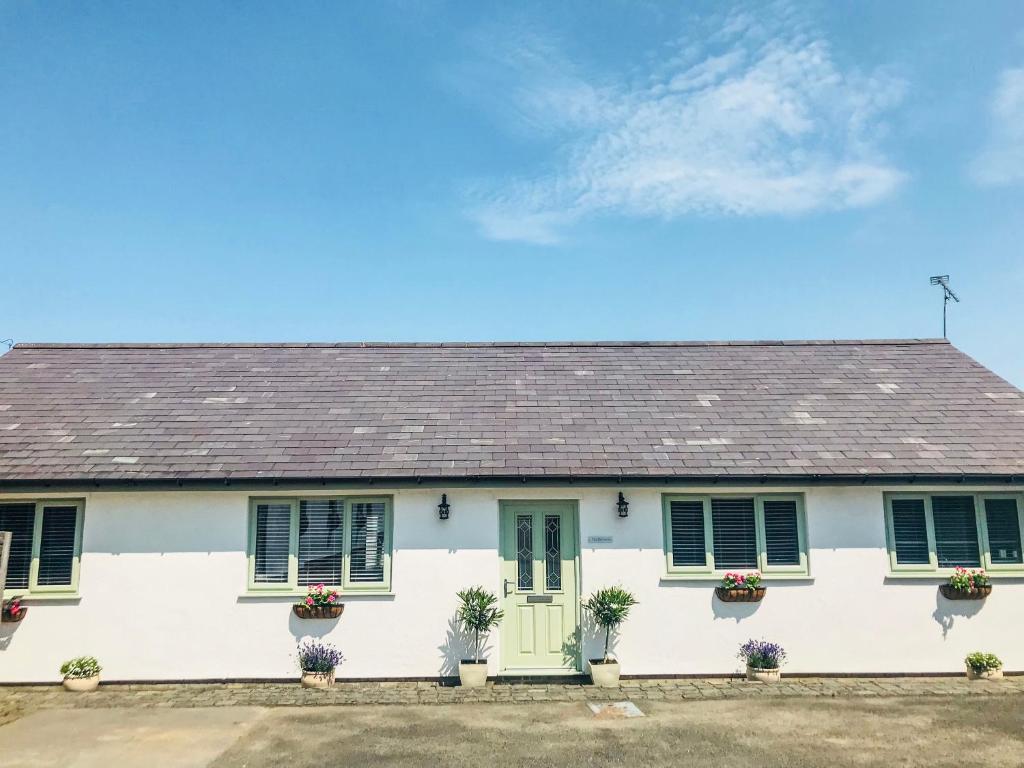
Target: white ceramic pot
{"points": [[472, 675], [318, 679], [763, 675], [81, 684], [604, 674], [990, 674]]}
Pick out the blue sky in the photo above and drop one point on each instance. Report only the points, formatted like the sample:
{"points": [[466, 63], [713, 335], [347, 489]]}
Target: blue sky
{"points": [[461, 171]]}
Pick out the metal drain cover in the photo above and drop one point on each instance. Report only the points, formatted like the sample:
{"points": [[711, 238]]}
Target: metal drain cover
{"points": [[615, 711]]}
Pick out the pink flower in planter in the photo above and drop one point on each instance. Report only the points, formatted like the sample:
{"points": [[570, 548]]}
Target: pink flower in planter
{"points": [[319, 587], [309, 601]]}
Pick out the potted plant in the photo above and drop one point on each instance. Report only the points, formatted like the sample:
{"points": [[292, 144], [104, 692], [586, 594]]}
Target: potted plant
{"points": [[741, 588], [319, 603], [478, 613], [318, 660], [764, 660], [81, 674], [609, 607], [13, 611], [983, 666], [967, 585]]}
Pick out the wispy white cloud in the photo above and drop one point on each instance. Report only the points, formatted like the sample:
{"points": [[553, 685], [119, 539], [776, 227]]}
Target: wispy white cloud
{"points": [[751, 117], [1001, 162]]}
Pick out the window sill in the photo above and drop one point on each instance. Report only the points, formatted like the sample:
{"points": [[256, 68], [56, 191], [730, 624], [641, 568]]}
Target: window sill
{"points": [[43, 597], [943, 576], [717, 577], [342, 596]]}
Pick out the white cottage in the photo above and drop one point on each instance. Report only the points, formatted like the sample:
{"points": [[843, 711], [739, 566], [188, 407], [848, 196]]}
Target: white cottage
{"points": [[170, 502]]}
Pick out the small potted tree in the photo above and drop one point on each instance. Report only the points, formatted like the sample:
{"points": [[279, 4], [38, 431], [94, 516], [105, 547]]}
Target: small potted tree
{"points": [[983, 666], [318, 660], [764, 660], [967, 585], [478, 613], [81, 674], [609, 607], [741, 588]]}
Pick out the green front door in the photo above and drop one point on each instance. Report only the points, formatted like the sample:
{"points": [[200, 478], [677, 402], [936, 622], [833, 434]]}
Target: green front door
{"points": [[540, 632]]}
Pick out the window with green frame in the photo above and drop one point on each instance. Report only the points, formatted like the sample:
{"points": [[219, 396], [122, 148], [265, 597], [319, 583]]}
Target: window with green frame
{"points": [[707, 534], [938, 532], [339, 542], [46, 544]]}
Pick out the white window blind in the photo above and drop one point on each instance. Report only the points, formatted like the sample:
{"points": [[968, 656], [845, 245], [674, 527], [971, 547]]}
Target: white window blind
{"points": [[321, 544], [367, 550], [273, 532]]}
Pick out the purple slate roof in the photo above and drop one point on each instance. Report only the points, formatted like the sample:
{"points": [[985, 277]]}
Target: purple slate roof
{"points": [[346, 411]]}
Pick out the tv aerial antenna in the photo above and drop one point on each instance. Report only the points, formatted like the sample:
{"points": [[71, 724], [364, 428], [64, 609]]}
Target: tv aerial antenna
{"points": [[947, 294]]}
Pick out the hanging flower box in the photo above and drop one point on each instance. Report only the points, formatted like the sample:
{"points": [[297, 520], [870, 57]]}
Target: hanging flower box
{"points": [[967, 585], [741, 588], [977, 593], [319, 603], [318, 611], [13, 611]]}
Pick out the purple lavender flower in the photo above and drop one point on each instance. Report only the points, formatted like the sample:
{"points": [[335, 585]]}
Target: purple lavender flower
{"points": [[760, 654], [315, 656]]}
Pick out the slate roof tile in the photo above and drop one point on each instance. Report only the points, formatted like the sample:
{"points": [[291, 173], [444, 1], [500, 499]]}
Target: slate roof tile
{"points": [[686, 409]]}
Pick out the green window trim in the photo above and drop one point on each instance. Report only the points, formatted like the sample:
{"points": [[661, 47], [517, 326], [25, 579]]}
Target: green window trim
{"points": [[291, 586], [34, 588], [708, 569], [932, 568]]}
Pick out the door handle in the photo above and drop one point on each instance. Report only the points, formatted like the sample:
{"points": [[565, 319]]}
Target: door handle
{"points": [[506, 589]]}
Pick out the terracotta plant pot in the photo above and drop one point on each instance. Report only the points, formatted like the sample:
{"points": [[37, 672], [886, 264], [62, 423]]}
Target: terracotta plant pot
{"points": [[740, 595], [604, 674], [473, 674], [988, 674], [978, 593], [81, 684], [318, 679], [763, 675], [318, 611]]}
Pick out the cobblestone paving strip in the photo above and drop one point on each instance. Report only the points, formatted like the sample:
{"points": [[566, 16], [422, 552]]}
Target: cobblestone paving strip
{"points": [[30, 698]]}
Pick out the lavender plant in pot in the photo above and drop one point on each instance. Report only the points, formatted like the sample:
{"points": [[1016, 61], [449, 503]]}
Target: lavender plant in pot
{"points": [[318, 660], [609, 607], [764, 660], [478, 614]]}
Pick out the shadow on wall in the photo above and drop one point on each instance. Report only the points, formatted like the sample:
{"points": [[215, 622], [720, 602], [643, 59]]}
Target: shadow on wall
{"points": [[947, 611], [735, 611], [458, 645], [303, 629]]}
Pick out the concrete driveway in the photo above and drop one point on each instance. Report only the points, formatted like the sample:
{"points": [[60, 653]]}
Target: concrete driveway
{"points": [[932, 732]]}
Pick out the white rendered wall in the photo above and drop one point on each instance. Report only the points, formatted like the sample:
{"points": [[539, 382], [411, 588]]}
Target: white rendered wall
{"points": [[163, 574]]}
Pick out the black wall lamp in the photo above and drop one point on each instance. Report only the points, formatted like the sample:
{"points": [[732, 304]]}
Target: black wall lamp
{"points": [[622, 506], [444, 508]]}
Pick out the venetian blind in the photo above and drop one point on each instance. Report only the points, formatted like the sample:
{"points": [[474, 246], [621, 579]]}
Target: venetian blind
{"points": [[320, 541], [57, 546], [366, 563], [781, 532], [733, 532], [273, 531], [910, 531], [956, 531], [19, 520], [687, 532], [1003, 530]]}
